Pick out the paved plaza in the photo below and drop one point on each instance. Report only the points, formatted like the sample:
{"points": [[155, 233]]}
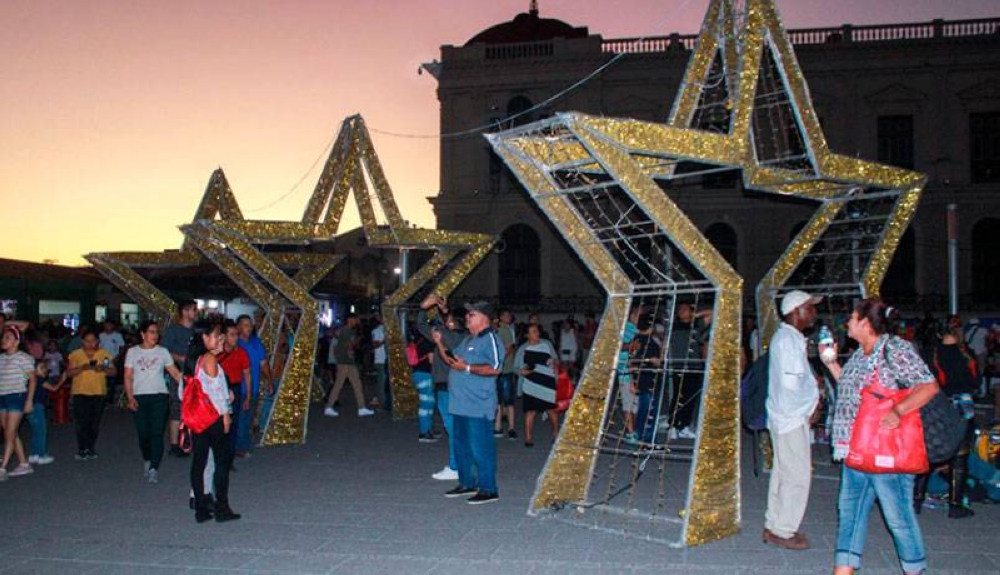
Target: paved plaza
{"points": [[358, 498]]}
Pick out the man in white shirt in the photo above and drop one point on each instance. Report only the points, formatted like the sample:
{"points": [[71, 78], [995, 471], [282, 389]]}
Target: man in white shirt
{"points": [[793, 395], [112, 342], [379, 359]]}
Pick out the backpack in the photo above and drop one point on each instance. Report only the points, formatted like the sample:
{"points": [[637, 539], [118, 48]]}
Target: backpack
{"points": [[412, 355], [753, 394], [197, 411]]}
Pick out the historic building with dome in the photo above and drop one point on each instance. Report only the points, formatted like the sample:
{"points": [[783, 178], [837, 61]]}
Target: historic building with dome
{"points": [[924, 96]]}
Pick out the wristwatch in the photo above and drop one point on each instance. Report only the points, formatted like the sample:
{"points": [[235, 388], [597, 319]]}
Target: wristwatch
{"points": [[468, 368]]}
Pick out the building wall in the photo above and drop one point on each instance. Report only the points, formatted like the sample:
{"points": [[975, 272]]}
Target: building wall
{"points": [[939, 81]]}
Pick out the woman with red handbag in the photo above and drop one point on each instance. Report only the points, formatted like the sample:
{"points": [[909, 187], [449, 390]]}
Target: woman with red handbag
{"points": [[205, 409], [889, 372]]}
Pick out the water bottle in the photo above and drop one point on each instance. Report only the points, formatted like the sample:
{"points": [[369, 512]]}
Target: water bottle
{"points": [[825, 335], [825, 338]]}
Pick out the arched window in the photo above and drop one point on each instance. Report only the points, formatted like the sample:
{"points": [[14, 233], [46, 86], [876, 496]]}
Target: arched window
{"points": [[986, 260], [899, 284], [520, 268], [723, 237], [517, 105]]}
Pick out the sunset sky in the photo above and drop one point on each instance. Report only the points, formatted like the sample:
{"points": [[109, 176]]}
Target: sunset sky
{"points": [[113, 113]]}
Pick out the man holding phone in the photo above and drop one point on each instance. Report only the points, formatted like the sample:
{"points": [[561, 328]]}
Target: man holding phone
{"points": [[475, 364]]}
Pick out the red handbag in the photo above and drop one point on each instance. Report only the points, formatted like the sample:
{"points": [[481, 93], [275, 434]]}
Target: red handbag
{"points": [[564, 390], [197, 410], [877, 450]]}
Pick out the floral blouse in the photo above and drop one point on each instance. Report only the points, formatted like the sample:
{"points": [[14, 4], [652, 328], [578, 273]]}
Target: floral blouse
{"points": [[899, 366]]}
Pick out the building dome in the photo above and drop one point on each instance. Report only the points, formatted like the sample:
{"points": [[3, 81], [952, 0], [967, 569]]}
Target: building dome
{"points": [[527, 27]]}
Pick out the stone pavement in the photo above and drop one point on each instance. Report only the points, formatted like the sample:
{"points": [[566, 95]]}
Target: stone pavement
{"points": [[358, 498]]}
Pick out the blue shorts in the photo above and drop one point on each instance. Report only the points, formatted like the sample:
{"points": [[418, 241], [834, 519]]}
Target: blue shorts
{"points": [[13, 402]]}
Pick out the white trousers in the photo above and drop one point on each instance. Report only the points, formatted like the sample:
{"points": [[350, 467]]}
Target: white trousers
{"points": [[791, 475]]}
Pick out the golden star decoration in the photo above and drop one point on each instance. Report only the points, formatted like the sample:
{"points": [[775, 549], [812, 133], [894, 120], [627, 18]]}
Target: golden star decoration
{"points": [[353, 166], [219, 205], [635, 153]]}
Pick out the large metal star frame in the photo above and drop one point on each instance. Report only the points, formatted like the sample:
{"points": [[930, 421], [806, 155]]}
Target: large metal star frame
{"points": [[119, 267], [219, 205], [631, 156], [354, 166]]}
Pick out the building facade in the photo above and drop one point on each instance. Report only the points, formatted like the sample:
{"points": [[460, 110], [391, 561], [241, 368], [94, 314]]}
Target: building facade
{"points": [[921, 96]]}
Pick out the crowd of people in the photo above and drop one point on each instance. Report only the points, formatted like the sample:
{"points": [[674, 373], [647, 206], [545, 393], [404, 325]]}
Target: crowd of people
{"points": [[472, 367]]}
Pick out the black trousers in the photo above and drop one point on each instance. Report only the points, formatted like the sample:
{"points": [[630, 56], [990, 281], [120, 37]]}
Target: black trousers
{"points": [[687, 396], [87, 411], [213, 438]]}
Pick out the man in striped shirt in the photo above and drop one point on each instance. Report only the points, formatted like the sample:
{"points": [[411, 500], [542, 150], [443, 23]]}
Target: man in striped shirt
{"points": [[475, 364]]}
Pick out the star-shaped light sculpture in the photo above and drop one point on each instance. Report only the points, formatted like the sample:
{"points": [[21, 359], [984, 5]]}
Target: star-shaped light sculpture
{"points": [[353, 166], [218, 201], [219, 205], [578, 168]]}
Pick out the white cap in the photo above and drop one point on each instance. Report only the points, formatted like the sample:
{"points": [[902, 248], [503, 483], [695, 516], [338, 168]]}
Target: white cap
{"points": [[794, 299]]}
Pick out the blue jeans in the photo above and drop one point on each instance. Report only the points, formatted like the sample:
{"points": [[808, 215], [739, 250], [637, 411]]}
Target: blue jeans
{"points": [[894, 491], [39, 430], [383, 386], [237, 409], [475, 447], [645, 421], [243, 442], [442, 404], [425, 392]]}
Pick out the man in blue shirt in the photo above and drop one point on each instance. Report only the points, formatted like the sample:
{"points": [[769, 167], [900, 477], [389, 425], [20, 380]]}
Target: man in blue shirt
{"points": [[259, 366], [475, 364]]}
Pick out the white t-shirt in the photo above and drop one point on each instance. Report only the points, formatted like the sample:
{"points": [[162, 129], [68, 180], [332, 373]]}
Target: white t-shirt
{"points": [[111, 342], [792, 393], [975, 338], [148, 367], [378, 334], [54, 360]]}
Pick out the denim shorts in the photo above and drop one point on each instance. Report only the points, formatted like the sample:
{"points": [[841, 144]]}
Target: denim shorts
{"points": [[13, 402], [506, 389]]}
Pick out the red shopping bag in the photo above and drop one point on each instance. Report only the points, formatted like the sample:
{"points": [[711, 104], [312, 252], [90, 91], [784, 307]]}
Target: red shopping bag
{"points": [[564, 390], [877, 450]]}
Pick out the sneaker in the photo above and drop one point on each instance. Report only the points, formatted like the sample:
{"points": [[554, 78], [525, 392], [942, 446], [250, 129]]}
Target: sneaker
{"points": [[672, 434], [460, 492], [80, 456], [483, 497], [365, 412], [631, 438], [22, 469], [512, 435], [446, 474], [687, 433], [330, 412], [45, 459], [427, 438], [145, 469], [3, 475], [153, 476], [91, 454], [497, 433], [32, 459]]}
